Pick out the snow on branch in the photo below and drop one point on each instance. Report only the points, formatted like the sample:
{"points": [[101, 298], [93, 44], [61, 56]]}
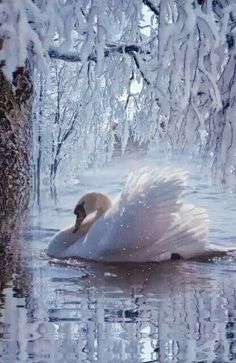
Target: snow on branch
{"points": [[57, 53], [17, 35], [174, 65], [174, 74], [152, 7]]}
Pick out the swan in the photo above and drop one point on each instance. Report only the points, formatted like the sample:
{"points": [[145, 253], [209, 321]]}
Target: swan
{"points": [[148, 222]]}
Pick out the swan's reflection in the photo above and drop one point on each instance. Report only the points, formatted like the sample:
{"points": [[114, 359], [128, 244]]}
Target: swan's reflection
{"points": [[135, 313]]}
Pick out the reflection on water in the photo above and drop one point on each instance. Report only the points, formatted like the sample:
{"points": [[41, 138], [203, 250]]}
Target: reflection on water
{"points": [[75, 311], [171, 312]]}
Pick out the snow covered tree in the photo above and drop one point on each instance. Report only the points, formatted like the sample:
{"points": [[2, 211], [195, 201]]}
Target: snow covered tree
{"points": [[180, 55], [57, 114]]}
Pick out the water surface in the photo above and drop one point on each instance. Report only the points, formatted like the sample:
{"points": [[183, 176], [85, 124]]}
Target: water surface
{"points": [[178, 311]]}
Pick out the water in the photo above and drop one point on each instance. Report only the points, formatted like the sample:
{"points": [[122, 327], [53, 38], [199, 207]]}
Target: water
{"points": [[72, 311]]}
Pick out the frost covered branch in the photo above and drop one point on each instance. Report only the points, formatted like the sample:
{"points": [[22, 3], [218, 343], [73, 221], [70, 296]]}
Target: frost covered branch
{"points": [[56, 53], [152, 7], [174, 79]]}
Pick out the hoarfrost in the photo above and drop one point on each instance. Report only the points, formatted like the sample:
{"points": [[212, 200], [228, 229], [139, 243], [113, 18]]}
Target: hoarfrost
{"points": [[182, 53]]}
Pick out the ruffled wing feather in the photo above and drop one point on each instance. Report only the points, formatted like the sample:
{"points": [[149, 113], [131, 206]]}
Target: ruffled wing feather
{"points": [[150, 222]]}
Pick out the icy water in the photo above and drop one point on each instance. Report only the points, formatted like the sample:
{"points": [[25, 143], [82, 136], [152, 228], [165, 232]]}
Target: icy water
{"points": [[73, 311]]}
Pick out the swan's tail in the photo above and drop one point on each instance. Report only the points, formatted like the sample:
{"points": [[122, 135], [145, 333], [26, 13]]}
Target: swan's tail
{"points": [[188, 237]]}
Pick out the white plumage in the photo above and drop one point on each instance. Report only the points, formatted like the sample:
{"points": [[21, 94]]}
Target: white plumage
{"points": [[148, 222]]}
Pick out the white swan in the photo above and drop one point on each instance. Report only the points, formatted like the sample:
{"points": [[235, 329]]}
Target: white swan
{"points": [[149, 222]]}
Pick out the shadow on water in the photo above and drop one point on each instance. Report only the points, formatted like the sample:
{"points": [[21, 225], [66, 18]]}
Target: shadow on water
{"points": [[14, 273], [15, 281]]}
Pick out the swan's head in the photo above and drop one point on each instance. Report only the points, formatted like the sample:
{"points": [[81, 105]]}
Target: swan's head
{"points": [[90, 203]]}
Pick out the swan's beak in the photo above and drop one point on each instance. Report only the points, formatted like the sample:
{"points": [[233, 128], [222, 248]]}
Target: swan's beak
{"points": [[80, 213]]}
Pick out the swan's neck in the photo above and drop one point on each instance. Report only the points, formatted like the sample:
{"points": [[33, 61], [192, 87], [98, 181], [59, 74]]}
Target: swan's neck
{"points": [[103, 203], [89, 209], [94, 216], [88, 222]]}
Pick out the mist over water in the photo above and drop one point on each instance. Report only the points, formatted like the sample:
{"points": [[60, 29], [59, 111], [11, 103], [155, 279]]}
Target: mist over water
{"points": [[75, 311]]}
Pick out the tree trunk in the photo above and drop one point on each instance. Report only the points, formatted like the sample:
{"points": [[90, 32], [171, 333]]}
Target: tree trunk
{"points": [[15, 148], [37, 173], [15, 141], [53, 173]]}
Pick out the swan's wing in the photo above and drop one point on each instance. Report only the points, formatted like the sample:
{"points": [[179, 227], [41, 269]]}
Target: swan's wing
{"points": [[148, 205], [149, 208]]}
